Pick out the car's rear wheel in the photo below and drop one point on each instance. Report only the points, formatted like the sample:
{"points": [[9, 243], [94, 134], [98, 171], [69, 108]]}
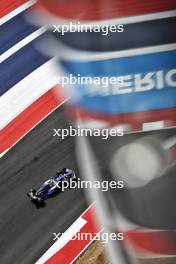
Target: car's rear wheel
{"points": [[30, 193]]}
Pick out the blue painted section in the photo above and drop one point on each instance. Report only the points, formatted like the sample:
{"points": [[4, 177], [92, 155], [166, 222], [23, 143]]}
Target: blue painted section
{"points": [[133, 96], [20, 64], [14, 31]]}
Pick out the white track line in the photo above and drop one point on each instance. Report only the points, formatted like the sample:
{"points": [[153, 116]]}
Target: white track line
{"points": [[25, 92], [17, 11], [22, 43], [70, 232], [63, 240], [2, 154]]}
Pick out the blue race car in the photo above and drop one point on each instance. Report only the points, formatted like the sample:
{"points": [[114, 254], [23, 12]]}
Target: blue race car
{"points": [[51, 186]]}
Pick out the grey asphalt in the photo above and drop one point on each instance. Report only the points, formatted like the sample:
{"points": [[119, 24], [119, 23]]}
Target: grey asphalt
{"points": [[25, 231]]}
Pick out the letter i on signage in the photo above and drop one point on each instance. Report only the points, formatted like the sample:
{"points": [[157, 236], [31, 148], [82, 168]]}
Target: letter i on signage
{"points": [[160, 80]]}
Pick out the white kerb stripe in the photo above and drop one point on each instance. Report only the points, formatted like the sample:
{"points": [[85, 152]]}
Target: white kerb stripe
{"points": [[17, 11], [63, 240], [25, 92], [49, 113], [3, 153], [22, 43]]}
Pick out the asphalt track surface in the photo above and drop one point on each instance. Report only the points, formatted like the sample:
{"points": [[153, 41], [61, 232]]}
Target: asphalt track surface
{"points": [[25, 231]]}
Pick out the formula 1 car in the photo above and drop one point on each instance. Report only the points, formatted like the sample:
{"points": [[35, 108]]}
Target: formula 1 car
{"points": [[51, 186]]}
